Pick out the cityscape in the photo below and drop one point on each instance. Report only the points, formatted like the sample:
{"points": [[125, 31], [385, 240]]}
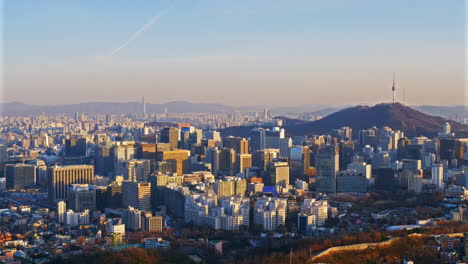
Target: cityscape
{"points": [[138, 165]]}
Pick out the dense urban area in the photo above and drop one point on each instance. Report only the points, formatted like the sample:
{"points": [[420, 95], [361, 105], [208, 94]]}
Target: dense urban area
{"points": [[235, 187]]}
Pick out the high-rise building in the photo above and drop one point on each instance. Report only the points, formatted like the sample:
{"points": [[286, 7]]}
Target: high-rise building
{"points": [[20, 176], [438, 175], [243, 161], [260, 158], [178, 160], [212, 158], [137, 195], [122, 154], [270, 213], [346, 153], [326, 165], [273, 137], [240, 145], [170, 135], [351, 181], [60, 177], [75, 147], [277, 173], [82, 197], [300, 163], [61, 211], [105, 161], [257, 139], [152, 223], [137, 170], [227, 161], [384, 178]]}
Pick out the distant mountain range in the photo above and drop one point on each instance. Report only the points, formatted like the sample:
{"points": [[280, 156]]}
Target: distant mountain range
{"points": [[137, 107], [395, 116], [188, 107]]}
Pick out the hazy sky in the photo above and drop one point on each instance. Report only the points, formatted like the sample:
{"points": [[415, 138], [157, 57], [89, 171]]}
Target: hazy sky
{"points": [[236, 52]]}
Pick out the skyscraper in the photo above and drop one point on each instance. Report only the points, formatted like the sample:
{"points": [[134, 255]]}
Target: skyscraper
{"points": [[60, 177], [277, 174], [137, 195], [170, 135], [326, 165], [240, 145], [178, 160], [82, 197], [20, 175], [61, 211], [75, 147]]}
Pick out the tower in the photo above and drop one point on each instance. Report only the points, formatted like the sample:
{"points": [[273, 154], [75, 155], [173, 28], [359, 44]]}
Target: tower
{"points": [[144, 105], [393, 88]]}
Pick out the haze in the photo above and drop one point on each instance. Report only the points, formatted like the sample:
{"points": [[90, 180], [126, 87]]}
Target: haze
{"points": [[234, 52]]}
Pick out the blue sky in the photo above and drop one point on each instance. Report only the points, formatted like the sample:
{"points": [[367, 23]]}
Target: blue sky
{"points": [[276, 51]]}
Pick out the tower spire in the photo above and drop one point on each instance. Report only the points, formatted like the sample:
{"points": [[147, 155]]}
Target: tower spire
{"points": [[393, 87]]}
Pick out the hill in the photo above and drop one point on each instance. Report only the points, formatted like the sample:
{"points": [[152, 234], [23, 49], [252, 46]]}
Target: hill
{"points": [[395, 116]]}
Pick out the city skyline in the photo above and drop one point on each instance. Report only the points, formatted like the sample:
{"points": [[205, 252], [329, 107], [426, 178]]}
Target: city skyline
{"points": [[258, 53]]}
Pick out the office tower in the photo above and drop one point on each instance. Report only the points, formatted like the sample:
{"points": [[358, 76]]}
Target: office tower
{"points": [[326, 165], [260, 158], [300, 163], [451, 148], [170, 135], [240, 145], [75, 147], [411, 165], [3, 153], [212, 135], [147, 151], [137, 170], [61, 211], [122, 153], [82, 197], [384, 178], [243, 161], [105, 161], [273, 137], [257, 139], [368, 137], [285, 145], [438, 175], [227, 161], [361, 167], [346, 153], [137, 195], [20, 176], [60, 177], [277, 173], [114, 195], [178, 160], [212, 157], [41, 172], [163, 167]]}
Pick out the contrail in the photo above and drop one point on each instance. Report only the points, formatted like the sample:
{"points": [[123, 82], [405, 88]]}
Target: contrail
{"points": [[139, 32]]}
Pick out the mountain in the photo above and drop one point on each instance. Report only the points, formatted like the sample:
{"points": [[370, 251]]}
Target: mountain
{"points": [[395, 116], [444, 111], [172, 107]]}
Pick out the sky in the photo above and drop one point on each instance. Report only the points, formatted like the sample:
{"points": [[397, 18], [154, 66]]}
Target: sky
{"points": [[234, 52]]}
